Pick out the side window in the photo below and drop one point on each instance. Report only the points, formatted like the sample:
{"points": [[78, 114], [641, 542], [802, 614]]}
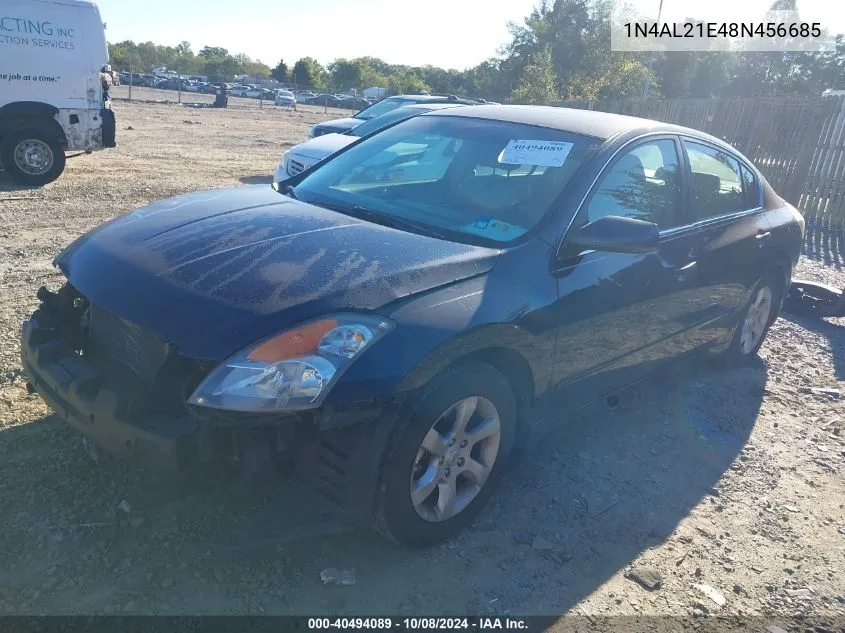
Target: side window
{"points": [[750, 188], [716, 182], [643, 184]]}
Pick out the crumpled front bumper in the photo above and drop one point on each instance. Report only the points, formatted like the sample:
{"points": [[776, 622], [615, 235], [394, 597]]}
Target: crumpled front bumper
{"points": [[341, 462], [76, 391]]}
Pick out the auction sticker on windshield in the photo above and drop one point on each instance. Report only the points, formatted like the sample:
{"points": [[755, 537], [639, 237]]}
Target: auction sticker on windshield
{"points": [[540, 153]]}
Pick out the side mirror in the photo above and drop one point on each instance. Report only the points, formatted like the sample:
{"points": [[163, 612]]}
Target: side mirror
{"points": [[616, 234]]}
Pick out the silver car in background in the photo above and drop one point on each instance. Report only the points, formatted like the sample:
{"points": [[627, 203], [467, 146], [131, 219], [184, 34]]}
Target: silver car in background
{"points": [[285, 98]]}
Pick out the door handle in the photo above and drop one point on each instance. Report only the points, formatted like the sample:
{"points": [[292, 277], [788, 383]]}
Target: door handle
{"points": [[762, 237], [685, 272]]}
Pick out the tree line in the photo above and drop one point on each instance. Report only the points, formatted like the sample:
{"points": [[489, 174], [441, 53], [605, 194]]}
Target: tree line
{"points": [[560, 52], [211, 61]]}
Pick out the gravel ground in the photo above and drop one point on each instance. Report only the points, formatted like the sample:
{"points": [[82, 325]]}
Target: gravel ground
{"points": [[726, 487]]}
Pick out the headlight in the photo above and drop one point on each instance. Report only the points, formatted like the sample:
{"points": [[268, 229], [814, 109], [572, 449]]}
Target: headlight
{"points": [[292, 370], [313, 131]]}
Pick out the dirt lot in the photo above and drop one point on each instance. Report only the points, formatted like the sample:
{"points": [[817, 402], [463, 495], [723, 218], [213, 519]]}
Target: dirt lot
{"points": [[722, 483]]}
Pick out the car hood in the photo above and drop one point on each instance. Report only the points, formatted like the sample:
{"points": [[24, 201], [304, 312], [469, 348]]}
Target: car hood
{"points": [[321, 146], [340, 125], [215, 271]]}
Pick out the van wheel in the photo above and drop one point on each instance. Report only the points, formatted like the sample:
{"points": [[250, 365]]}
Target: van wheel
{"points": [[445, 458], [32, 156]]}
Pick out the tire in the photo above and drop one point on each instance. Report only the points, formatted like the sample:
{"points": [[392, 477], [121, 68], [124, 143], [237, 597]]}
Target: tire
{"points": [[748, 338], [32, 156], [472, 387]]}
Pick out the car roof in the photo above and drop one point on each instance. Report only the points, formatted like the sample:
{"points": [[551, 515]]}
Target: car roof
{"points": [[435, 98], [429, 107], [601, 125], [417, 97]]}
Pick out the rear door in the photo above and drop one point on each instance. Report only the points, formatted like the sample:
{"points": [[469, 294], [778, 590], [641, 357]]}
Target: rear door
{"points": [[725, 203], [621, 315]]}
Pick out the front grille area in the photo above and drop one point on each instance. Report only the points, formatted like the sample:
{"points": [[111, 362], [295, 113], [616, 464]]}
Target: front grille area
{"points": [[141, 365], [295, 167], [123, 349], [147, 371]]}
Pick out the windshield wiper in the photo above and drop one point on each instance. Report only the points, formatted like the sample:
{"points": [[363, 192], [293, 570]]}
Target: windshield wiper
{"points": [[370, 215], [396, 223]]}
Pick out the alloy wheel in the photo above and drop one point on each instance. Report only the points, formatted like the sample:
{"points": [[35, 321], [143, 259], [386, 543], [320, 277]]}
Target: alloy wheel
{"points": [[455, 459], [756, 320]]}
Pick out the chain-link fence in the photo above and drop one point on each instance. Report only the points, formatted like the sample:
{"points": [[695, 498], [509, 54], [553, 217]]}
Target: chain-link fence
{"points": [[246, 92]]}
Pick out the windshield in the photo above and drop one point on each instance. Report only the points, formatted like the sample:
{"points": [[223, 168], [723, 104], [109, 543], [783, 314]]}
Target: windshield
{"points": [[376, 123], [381, 107], [472, 180]]}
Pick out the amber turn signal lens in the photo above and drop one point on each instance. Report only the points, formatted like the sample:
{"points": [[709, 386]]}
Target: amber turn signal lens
{"points": [[299, 342]]}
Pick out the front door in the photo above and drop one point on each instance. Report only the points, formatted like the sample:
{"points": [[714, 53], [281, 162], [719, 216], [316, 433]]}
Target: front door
{"points": [[622, 314]]}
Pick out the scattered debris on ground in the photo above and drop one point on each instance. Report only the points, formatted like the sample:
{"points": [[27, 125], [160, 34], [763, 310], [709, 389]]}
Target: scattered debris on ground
{"points": [[647, 577], [332, 576]]}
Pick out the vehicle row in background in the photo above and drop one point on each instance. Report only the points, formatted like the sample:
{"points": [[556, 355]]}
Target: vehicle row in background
{"points": [[254, 91]]}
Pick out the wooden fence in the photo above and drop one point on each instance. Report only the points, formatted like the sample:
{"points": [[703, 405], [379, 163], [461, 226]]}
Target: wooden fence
{"points": [[797, 142]]}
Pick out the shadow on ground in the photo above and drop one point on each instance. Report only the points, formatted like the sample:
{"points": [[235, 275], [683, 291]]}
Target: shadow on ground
{"points": [[603, 485], [7, 186]]}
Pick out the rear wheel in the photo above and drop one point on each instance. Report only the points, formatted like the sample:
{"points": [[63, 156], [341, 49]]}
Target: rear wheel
{"points": [[760, 312], [32, 156], [444, 460]]}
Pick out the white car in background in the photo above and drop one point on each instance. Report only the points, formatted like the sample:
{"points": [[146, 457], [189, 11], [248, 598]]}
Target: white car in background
{"points": [[308, 153], [285, 98]]}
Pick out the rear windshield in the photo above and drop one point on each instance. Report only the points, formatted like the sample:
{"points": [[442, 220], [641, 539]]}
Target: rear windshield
{"points": [[377, 109], [472, 180], [376, 123]]}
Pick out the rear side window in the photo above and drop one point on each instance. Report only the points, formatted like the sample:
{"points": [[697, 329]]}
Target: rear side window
{"points": [[716, 183], [750, 188]]}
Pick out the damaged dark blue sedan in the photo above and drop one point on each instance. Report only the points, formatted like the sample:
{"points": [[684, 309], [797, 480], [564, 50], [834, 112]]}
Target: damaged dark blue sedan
{"points": [[394, 318]]}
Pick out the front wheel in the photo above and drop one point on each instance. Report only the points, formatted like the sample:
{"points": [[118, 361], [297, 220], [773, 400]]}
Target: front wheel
{"points": [[32, 156], [444, 460]]}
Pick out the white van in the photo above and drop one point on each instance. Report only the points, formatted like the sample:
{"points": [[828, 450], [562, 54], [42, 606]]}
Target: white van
{"points": [[52, 98]]}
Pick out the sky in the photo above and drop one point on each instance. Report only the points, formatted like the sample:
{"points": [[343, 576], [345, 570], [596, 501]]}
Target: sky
{"points": [[446, 33]]}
